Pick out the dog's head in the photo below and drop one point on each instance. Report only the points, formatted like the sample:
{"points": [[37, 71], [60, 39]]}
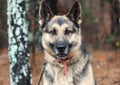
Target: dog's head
{"points": [[61, 34]]}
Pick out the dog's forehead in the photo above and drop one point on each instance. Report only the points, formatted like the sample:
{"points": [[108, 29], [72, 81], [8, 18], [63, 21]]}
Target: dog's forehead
{"points": [[60, 20]]}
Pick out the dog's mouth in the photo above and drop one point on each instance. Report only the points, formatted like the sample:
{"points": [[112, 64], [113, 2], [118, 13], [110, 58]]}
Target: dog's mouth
{"points": [[61, 55], [61, 50], [62, 58]]}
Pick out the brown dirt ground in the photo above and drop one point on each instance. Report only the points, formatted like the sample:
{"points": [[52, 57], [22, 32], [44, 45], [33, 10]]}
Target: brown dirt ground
{"points": [[106, 66]]}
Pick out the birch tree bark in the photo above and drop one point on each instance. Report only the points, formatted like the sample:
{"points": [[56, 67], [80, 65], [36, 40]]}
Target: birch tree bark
{"points": [[18, 48]]}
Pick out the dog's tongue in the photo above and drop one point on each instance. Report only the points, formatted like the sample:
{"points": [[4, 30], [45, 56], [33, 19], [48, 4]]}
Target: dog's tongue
{"points": [[64, 68]]}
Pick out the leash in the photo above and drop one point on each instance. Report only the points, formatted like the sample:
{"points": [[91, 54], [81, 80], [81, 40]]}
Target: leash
{"points": [[41, 74]]}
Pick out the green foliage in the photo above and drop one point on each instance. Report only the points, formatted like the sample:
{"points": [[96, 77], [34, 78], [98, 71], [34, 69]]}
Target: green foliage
{"points": [[115, 41], [110, 39]]}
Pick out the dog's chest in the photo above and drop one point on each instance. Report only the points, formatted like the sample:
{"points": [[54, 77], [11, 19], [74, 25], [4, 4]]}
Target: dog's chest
{"points": [[75, 75], [61, 79], [58, 77]]}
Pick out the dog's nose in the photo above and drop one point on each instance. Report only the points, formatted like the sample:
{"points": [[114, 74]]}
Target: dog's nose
{"points": [[61, 46], [61, 49]]}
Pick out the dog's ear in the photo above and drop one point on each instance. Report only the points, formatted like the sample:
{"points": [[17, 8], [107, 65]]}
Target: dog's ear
{"points": [[45, 13], [75, 13]]}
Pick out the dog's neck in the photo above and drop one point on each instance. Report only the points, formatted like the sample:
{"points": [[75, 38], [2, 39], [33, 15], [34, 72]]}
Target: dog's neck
{"points": [[77, 62], [76, 68]]}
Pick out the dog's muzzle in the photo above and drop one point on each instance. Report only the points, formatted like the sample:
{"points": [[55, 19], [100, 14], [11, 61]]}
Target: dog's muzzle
{"points": [[61, 49]]}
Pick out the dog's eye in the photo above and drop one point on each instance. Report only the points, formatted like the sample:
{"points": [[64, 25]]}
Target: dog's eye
{"points": [[67, 32], [53, 32]]}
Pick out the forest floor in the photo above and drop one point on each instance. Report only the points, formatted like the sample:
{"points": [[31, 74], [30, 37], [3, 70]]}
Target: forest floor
{"points": [[106, 67]]}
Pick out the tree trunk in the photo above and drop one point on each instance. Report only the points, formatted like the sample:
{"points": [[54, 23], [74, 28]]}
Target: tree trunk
{"points": [[18, 42]]}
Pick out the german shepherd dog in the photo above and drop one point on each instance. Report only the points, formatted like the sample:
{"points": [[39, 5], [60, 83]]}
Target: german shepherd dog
{"points": [[67, 60]]}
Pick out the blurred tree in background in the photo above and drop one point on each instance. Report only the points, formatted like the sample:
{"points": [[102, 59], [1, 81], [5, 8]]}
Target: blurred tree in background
{"points": [[101, 23], [18, 43], [3, 24]]}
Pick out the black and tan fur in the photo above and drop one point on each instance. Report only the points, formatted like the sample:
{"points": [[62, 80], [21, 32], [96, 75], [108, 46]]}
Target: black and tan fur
{"points": [[62, 43]]}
